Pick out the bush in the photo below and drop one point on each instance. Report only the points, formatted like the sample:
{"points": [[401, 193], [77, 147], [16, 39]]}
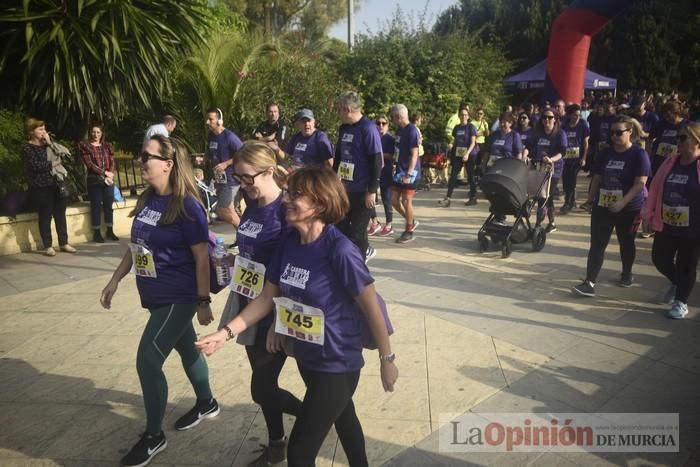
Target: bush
{"points": [[12, 174]]}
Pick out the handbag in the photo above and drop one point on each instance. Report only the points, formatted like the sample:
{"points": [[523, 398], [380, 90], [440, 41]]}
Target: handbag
{"points": [[65, 189]]}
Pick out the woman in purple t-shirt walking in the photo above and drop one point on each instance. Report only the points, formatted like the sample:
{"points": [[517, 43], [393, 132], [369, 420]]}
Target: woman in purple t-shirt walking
{"points": [[323, 295]]}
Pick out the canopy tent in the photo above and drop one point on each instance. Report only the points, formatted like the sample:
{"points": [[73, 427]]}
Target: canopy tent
{"points": [[533, 78]]}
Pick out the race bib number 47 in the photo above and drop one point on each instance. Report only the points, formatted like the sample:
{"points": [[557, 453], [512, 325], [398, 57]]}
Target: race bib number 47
{"points": [[302, 322]]}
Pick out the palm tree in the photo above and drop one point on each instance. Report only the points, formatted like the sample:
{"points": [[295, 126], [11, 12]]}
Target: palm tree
{"points": [[79, 60]]}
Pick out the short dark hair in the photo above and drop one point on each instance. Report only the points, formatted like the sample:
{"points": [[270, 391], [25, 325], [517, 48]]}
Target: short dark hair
{"points": [[573, 108]]}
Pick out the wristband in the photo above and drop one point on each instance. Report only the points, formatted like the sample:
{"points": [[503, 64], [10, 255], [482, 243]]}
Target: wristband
{"points": [[203, 300], [228, 331]]}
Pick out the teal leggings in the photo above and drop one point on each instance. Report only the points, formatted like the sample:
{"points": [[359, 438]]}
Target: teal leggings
{"points": [[169, 327]]}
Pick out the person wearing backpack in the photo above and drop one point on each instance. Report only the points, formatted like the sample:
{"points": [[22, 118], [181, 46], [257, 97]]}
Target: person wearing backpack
{"points": [[169, 254], [323, 297]]}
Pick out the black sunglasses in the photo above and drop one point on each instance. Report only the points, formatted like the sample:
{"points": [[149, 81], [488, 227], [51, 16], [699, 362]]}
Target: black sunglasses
{"points": [[548, 117], [619, 132], [146, 156], [382, 123], [245, 179]]}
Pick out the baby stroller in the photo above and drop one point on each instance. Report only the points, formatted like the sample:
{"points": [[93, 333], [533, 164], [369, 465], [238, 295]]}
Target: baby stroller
{"points": [[433, 164], [207, 193], [514, 188]]}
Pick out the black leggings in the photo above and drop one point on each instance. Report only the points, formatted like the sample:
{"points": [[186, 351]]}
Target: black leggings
{"points": [[603, 221], [571, 169], [264, 386], [385, 189], [457, 164], [48, 203], [354, 225], [328, 401], [677, 259]]}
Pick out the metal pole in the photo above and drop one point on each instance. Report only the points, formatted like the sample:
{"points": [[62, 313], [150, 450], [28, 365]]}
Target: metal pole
{"points": [[350, 25]]}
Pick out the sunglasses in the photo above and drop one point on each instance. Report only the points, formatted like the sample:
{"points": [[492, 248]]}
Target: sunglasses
{"points": [[382, 123], [146, 156], [524, 117], [619, 132], [246, 179], [548, 117]]}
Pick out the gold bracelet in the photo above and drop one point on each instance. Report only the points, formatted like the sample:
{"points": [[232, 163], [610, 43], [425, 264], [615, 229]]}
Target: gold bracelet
{"points": [[229, 332]]}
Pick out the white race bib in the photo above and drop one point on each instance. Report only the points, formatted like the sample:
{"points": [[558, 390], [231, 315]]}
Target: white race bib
{"points": [[607, 198], [666, 149], [220, 177], [676, 216], [346, 171], [302, 322], [248, 277], [461, 152], [143, 262]]}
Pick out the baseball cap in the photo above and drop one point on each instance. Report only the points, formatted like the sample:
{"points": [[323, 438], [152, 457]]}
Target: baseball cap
{"points": [[304, 113]]}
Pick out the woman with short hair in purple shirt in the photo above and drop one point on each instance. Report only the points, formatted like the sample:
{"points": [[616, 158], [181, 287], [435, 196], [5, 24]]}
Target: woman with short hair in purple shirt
{"points": [[323, 295]]}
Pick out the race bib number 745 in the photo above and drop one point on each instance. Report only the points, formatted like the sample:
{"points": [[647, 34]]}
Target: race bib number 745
{"points": [[302, 322]]}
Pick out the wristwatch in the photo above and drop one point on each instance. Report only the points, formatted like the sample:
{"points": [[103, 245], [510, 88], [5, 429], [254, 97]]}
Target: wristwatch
{"points": [[387, 358]]}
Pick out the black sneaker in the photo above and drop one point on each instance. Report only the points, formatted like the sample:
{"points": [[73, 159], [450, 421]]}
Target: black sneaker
{"points": [[471, 201], [145, 450], [585, 288], [626, 280], [97, 237], [371, 253], [200, 411], [551, 227], [270, 455], [405, 237]]}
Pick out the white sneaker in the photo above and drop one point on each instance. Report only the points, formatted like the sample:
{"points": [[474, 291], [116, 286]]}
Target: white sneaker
{"points": [[49, 252], [679, 310], [68, 249]]}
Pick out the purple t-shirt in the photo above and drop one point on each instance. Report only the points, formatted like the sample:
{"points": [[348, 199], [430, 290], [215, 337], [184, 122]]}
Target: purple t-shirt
{"points": [[309, 151], [602, 132], [682, 192], [648, 121], [358, 144], [665, 136], [326, 274], [549, 145], [574, 140], [525, 136], [619, 169], [221, 148], [407, 138], [463, 135], [170, 245], [260, 233], [509, 145]]}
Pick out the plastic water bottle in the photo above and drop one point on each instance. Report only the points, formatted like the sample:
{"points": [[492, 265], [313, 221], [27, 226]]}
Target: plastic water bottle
{"points": [[223, 273]]}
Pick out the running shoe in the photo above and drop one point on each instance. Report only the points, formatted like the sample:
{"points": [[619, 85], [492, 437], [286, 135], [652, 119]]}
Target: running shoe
{"points": [[371, 253], [551, 227], [415, 225], [679, 310], [565, 209], [588, 207], [471, 201], [386, 231], [445, 203], [626, 280], [49, 252], [646, 234], [270, 455], [145, 450], [200, 411], [405, 237], [585, 288], [68, 249], [374, 228]]}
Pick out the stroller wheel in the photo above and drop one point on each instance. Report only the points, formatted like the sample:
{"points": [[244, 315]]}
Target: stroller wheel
{"points": [[507, 248], [539, 237], [483, 242]]}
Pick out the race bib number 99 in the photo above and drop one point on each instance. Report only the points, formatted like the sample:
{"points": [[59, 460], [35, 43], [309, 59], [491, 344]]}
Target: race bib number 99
{"points": [[142, 259], [248, 277], [676, 216], [302, 322]]}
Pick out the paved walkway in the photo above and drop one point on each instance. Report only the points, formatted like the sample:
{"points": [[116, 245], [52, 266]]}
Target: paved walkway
{"points": [[474, 333]]}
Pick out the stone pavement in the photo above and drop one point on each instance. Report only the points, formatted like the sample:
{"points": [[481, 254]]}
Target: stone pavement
{"points": [[474, 332]]}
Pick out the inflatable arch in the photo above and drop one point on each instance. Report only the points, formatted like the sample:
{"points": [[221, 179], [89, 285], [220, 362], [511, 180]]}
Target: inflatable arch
{"points": [[569, 43]]}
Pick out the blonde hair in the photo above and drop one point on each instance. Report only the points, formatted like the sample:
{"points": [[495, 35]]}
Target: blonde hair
{"points": [[261, 156], [693, 130], [30, 125], [181, 180], [631, 124]]}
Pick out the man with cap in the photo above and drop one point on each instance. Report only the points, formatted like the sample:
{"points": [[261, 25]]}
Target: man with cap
{"points": [[309, 147]]}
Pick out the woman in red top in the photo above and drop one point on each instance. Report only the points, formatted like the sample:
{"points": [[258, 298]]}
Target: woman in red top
{"points": [[98, 157]]}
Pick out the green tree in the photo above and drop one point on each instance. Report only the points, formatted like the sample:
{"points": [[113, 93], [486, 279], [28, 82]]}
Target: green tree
{"points": [[87, 59]]}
